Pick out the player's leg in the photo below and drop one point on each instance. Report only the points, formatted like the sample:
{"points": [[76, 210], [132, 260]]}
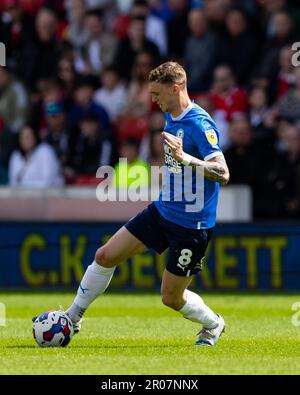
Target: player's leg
{"points": [[173, 290], [187, 249], [176, 296], [141, 231], [118, 248], [98, 275]]}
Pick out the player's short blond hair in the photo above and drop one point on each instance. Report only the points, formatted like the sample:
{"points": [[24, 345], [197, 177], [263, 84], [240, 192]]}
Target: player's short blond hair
{"points": [[168, 73]]}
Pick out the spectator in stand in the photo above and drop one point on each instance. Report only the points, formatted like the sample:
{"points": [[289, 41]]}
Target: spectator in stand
{"points": [[271, 6], [16, 28], [124, 7], [281, 128], [7, 145], [57, 134], [216, 11], [238, 45], [34, 164], [113, 94], [139, 102], [160, 8], [268, 9], [177, 28], [46, 91], [134, 122], [31, 7], [134, 170], [281, 30], [39, 57], [289, 104], [241, 153], [279, 183], [107, 7], [292, 172], [156, 157], [130, 47], [14, 103], [151, 148], [99, 50], [155, 27], [285, 76], [50, 90], [78, 34], [93, 148], [259, 115], [282, 36], [84, 104], [228, 99], [295, 12], [282, 77], [199, 52], [59, 8], [67, 78]]}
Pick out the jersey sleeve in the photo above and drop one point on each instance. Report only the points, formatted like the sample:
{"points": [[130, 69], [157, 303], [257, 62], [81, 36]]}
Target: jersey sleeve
{"points": [[206, 138]]}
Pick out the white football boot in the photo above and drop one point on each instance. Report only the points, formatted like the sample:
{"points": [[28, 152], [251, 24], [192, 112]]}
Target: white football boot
{"points": [[76, 325], [209, 337]]}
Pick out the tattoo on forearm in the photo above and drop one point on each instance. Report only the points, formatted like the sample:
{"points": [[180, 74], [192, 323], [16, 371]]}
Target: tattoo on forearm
{"points": [[216, 171]]}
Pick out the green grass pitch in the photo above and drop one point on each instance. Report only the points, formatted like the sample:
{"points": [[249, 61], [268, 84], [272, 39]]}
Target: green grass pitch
{"points": [[136, 334]]}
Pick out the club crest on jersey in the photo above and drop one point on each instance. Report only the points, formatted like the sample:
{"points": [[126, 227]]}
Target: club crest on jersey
{"points": [[211, 136], [180, 133], [205, 124]]}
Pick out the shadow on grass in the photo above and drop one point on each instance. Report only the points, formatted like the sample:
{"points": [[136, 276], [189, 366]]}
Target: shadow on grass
{"points": [[134, 346], [16, 347], [106, 346]]}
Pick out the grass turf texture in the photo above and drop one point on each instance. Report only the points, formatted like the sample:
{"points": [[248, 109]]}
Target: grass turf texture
{"points": [[136, 334]]}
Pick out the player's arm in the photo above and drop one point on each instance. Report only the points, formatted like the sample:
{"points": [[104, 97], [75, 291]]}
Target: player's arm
{"points": [[215, 169]]}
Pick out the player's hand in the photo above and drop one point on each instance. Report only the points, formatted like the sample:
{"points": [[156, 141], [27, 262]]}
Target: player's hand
{"points": [[175, 143]]}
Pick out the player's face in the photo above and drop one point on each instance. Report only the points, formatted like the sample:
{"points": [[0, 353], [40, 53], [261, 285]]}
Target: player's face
{"points": [[164, 95]]}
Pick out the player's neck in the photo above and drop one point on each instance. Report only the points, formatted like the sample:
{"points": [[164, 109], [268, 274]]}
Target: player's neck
{"points": [[183, 103]]}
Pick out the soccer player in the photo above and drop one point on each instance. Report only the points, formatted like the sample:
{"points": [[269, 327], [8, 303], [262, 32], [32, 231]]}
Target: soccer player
{"points": [[173, 221]]}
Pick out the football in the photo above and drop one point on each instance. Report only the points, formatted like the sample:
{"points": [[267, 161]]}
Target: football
{"points": [[53, 329]]}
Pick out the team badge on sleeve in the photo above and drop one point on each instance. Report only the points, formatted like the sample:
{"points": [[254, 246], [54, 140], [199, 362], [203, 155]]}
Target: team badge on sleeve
{"points": [[211, 136]]}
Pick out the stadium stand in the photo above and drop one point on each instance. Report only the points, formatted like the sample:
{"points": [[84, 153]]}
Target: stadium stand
{"points": [[77, 71]]}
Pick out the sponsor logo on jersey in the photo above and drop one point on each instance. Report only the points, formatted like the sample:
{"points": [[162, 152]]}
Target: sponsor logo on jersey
{"points": [[173, 165], [211, 136], [180, 133]]}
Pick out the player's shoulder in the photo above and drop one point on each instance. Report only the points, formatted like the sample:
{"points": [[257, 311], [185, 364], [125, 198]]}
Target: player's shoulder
{"points": [[204, 128], [202, 119]]}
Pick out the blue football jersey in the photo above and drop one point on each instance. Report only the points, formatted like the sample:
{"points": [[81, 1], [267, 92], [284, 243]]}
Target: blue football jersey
{"points": [[187, 198]]}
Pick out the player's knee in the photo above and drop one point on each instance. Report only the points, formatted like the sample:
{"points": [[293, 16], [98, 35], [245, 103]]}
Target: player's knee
{"points": [[104, 258], [172, 301]]}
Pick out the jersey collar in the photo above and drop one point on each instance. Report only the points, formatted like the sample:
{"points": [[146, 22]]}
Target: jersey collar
{"points": [[189, 107]]}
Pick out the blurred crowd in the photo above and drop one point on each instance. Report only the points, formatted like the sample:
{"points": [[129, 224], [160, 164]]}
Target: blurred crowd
{"points": [[74, 92]]}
